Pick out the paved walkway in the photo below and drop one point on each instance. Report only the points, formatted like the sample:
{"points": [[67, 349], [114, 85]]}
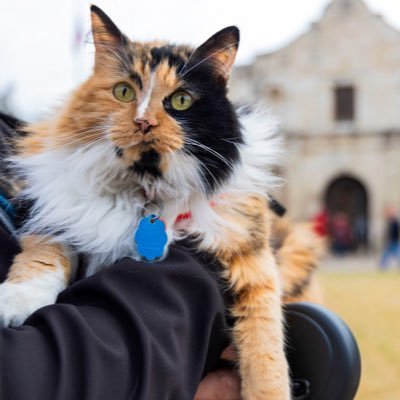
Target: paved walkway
{"points": [[351, 263]]}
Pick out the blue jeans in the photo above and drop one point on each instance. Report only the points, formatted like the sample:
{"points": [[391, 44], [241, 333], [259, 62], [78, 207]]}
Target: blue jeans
{"points": [[392, 251]]}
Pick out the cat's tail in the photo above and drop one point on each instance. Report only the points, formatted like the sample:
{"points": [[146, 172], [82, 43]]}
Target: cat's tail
{"points": [[298, 251]]}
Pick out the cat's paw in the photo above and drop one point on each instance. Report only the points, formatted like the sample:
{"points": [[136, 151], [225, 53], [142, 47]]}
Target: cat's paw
{"points": [[279, 390], [19, 300], [253, 394], [266, 378]]}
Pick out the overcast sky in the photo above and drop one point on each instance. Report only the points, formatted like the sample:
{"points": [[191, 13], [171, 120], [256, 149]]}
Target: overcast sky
{"points": [[37, 38]]}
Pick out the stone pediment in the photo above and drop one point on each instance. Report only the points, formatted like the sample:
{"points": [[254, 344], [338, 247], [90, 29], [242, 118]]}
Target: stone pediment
{"points": [[343, 20]]}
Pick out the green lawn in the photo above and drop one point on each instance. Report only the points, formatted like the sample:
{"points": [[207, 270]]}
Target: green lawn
{"points": [[370, 303]]}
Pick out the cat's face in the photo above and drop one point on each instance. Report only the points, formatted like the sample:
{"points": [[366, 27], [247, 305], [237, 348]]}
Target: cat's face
{"points": [[163, 107]]}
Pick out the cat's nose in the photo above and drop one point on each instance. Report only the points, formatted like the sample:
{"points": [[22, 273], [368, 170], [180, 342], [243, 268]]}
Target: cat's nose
{"points": [[146, 123]]}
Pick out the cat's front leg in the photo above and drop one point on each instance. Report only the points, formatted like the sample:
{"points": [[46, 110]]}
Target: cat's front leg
{"points": [[38, 274], [258, 333]]}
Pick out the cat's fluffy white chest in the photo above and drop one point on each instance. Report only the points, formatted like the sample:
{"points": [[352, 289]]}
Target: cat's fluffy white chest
{"points": [[78, 199]]}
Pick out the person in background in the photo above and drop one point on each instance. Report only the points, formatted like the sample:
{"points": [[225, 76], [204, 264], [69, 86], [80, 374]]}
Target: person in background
{"points": [[360, 233], [340, 233], [392, 247], [320, 223]]}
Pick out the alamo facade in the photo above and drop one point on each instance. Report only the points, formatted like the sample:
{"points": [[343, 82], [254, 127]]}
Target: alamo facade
{"points": [[336, 90]]}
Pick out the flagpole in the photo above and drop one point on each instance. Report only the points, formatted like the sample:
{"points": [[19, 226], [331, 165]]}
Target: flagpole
{"points": [[78, 41]]}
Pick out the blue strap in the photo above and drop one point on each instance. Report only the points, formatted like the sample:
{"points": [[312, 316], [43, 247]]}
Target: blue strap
{"points": [[7, 206]]}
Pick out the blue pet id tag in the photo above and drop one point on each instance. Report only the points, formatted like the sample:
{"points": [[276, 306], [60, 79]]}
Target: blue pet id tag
{"points": [[150, 237]]}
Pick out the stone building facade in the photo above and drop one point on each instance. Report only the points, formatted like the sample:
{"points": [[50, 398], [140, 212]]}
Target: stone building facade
{"points": [[336, 90]]}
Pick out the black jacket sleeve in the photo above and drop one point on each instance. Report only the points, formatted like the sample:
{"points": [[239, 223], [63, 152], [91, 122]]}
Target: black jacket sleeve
{"points": [[133, 331]]}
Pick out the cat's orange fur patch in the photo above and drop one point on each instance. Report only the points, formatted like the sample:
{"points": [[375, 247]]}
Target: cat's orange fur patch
{"points": [[252, 274], [38, 256]]}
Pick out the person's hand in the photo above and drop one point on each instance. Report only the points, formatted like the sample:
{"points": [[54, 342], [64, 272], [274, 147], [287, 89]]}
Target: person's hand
{"points": [[222, 384]]}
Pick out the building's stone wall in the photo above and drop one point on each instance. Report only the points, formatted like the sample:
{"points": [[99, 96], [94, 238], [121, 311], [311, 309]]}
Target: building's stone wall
{"points": [[314, 162], [349, 45]]}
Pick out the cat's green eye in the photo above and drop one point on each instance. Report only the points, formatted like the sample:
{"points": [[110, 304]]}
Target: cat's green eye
{"points": [[124, 92], [181, 101]]}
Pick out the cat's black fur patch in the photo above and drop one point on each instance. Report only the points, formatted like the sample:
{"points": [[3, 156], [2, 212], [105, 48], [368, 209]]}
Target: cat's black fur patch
{"points": [[298, 288], [148, 163], [119, 152], [136, 78], [276, 207], [212, 121], [166, 53]]}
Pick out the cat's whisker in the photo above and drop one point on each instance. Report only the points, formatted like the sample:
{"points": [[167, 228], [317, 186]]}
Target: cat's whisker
{"points": [[77, 140], [181, 178], [84, 148], [203, 189], [83, 139], [207, 58], [232, 140], [80, 134], [217, 184], [210, 150], [90, 144], [95, 128], [187, 62], [173, 172]]}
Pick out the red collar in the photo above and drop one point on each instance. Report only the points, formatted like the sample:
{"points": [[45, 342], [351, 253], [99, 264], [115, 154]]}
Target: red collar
{"points": [[188, 215], [183, 217]]}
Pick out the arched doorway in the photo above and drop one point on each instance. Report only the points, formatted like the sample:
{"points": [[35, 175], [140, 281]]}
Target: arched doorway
{"points": [[346, 201]]}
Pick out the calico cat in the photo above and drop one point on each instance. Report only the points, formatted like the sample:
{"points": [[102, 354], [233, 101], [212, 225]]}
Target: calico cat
{"points": [[153, 127]]}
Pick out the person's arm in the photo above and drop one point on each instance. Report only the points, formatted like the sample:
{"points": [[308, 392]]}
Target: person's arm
{"points": [[132, 331]]}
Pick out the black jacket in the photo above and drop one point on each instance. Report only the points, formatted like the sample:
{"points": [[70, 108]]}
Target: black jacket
{"points": [[133, 331]]}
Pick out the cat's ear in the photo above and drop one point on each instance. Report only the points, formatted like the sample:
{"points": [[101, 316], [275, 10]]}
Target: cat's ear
{"points": [[108, 39], [219, 51]]}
